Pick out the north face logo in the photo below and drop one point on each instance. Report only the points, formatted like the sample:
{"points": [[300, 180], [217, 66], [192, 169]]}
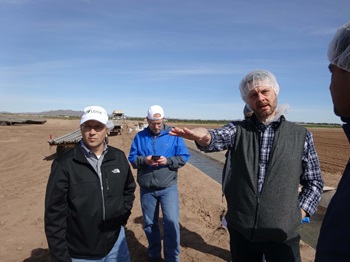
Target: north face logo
{"points": [[115, 171]]}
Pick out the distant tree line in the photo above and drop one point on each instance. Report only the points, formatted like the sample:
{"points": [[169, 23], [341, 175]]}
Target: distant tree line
{"points": [[223, 122], [207, 122]]}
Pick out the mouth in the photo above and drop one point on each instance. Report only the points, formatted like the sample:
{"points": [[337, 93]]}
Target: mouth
{"points": [[264, 106]]}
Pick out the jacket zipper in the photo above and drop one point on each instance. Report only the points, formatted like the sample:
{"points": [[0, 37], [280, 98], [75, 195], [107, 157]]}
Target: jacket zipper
{"points": [[103, 199], [255, 216], [155, 145], [107, 183]]}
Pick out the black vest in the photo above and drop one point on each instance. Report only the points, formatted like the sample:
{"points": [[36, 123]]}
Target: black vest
{"points": [[274, 214]]}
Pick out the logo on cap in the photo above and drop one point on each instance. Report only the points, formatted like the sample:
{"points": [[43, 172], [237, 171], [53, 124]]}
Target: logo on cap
{"points": [[96, 113]]}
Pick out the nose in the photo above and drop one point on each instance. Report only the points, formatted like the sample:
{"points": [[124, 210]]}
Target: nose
{"points": [[261, 97], [92, 131]]}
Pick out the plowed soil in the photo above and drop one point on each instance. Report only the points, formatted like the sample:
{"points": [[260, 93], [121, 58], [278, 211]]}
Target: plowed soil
{"points": [[333, 151], [332, 147]]}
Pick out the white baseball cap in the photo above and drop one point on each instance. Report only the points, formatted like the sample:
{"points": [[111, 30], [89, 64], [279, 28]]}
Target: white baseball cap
{"points": [[96, 113], [155, 113]]}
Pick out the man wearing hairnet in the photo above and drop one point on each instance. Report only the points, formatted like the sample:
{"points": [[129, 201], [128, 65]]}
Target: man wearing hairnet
{"points": [[270, 157], [334, 240]]}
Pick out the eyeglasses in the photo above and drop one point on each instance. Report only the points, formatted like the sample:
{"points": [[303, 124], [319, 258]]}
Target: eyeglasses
{"points": [[97, 128], [155, 123]]}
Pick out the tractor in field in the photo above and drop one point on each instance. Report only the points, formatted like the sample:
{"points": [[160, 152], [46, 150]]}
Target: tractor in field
{"points": [[117, 118]]}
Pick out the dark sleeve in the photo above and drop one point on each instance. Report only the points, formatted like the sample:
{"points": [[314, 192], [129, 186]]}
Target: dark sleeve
{"points": [[56, 213], [129, 193]]}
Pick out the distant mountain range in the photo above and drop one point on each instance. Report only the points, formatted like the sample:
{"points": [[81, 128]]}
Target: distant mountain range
{"points": [[59, 112], [62, 113]]}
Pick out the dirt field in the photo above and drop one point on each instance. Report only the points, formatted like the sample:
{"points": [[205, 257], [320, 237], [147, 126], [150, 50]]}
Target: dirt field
{"points": [[25, 161], [333, 150]]}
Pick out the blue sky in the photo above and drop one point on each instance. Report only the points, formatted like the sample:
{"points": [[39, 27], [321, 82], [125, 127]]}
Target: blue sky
{"points": [[187, 56]]}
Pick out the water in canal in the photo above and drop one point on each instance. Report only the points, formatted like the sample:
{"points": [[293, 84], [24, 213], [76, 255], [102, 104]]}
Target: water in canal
{"points": [[309, 231]]}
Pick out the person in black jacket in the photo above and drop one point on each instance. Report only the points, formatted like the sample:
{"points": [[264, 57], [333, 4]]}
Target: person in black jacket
{"points": [[334, 239], [89, 196]]}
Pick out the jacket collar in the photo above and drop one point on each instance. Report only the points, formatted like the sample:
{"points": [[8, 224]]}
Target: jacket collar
{"points": [[346, 128], [80, 156], [164, 130], [261, 126]]}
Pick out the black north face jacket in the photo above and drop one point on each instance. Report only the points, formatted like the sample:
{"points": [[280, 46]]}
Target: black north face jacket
{"points": [[82, 220]]}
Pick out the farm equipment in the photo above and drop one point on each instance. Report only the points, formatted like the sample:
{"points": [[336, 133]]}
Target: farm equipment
{"points": [[69, 140], [14, 119], [66, 141], [117, 119]]}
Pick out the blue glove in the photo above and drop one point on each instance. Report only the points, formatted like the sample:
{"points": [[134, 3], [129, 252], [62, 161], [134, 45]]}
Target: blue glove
{"points": [[305, 220]]}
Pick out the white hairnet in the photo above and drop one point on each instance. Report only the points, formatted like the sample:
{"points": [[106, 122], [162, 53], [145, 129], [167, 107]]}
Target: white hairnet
{"points": [[255, 79], [339, 48]]}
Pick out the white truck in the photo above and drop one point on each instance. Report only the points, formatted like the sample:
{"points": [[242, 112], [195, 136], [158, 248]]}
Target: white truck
{"points": [[118, 119]]}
